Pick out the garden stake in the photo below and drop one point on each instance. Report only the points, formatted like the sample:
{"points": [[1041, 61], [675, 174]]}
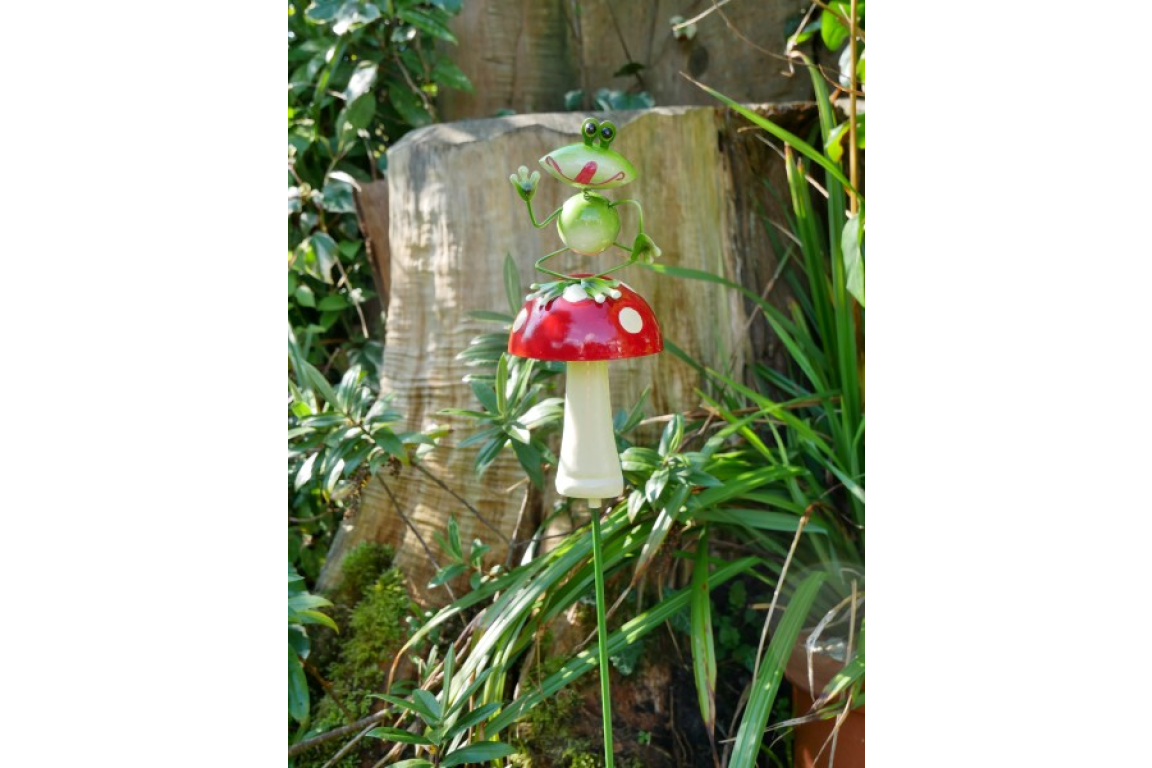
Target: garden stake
{"points": [[586, 320]]}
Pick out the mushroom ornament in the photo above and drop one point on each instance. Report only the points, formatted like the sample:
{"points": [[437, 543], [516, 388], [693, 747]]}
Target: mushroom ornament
{"points": [[587, 320]]}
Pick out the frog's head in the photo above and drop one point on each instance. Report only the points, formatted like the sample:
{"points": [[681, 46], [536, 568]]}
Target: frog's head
{"points": [[591, 165]]}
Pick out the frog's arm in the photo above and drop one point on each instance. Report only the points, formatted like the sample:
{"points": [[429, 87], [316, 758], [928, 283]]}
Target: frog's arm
{"points": [[525, 186], [540, 224], [644, 248], [639, 211]]}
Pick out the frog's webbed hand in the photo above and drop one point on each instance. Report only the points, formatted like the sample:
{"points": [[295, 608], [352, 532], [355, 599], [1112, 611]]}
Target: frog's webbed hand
{"points": [[644, 248], [524, 184]]}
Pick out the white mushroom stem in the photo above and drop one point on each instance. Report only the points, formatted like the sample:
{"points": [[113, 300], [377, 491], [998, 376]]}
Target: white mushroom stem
{"points": [[589, 464]]}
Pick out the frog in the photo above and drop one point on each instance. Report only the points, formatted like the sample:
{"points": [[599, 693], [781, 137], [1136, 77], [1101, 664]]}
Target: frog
{"points": [[588, 222]]}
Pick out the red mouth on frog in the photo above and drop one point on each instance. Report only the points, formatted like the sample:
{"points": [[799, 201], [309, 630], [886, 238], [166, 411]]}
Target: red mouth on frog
{"points": [[585, 175]]}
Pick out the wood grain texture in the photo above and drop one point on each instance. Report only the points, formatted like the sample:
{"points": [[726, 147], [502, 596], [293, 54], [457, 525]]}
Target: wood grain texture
{"points": [[524, 55], [519, 54], [452, 218]]}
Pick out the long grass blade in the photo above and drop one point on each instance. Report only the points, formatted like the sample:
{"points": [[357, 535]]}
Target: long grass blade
{"points": [[767, 682], [703, 642]]}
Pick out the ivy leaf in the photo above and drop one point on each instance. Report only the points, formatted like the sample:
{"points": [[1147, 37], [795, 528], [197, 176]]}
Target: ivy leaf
{"points": [[362, 80], [337, 197], [344, 14], [324, 249]]}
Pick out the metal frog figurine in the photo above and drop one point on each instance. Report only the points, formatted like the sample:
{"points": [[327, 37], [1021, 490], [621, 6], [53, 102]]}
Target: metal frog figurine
{"points": [[588, 222]]}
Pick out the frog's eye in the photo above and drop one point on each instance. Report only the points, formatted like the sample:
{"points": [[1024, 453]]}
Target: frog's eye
{"points": [[607, 133], [589, 129]]}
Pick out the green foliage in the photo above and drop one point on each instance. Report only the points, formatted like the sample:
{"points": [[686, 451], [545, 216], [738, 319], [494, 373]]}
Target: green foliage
{"points": [[446, 720], [456, 563], [338, 437], [361, 74], [373, 607], [512, 392], [302, 611]]}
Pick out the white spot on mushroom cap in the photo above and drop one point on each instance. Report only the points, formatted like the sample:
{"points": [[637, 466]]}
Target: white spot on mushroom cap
{"points": [[575, 293], [520, 320], [630, 320]]}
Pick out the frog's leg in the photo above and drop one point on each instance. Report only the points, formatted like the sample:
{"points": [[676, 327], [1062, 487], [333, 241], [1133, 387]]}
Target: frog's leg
{"points": [[554, 253], [630, 262]]}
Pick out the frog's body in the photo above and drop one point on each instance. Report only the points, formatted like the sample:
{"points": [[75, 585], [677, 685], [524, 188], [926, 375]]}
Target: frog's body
{"points": [[588, 222]]}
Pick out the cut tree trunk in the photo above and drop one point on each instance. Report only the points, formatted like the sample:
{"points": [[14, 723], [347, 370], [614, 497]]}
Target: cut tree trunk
{"points": [[526, 55], [452, 216]]}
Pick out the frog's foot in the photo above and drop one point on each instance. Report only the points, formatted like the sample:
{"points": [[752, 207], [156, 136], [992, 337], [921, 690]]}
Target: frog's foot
{"points": [[645, 250], [524, 184], [576, 289]]}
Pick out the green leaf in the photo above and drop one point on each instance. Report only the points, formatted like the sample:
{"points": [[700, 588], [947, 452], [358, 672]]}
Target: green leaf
{"points": [[357, 115], [416, 762], [408, 105], [426, 21], [486, 396], [337, 197], [315, 617], [323, 249], [430, 702], [764, 687], [332, 302], [636, 414], [446, 574], [656, 484], [418, 706], [494, 317], [703, 641], [475, 717], [835, 144], [447, 73], [834, 31], [852, 241], [479, 752], [399, 735], [502, 386], [298, 640], [297, 688], [789, 138], [462, 697], [673, 434], [659, 531], [362, 80], [454, 538], [304, 296], [512, 284], [639, 459], [343, 14], [531, 460]]}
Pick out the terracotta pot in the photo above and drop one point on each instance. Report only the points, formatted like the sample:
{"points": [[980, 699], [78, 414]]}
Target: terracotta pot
{"points": [[810, 738]]}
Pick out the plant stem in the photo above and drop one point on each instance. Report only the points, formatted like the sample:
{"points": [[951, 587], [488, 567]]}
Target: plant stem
{"points": [[601, 629]]}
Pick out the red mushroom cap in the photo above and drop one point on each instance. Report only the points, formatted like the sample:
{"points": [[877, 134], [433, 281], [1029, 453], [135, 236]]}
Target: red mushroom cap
{"points": [[584, 330]]}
